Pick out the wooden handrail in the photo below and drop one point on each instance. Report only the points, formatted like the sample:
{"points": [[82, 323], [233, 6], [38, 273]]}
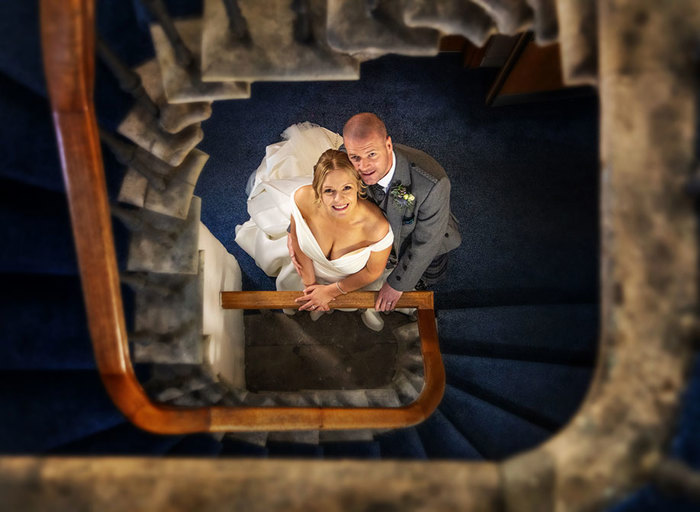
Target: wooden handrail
{"points": [[68, 40]]}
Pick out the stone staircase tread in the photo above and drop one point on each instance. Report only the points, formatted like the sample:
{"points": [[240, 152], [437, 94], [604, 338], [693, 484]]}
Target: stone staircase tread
{"points": [[175, 200], [182, 86], [510, 16], [416, 380], [341, 398], [449, 17], [168, 245], [546, 26], [143, 129], [173, 117], [206, 396], [273, 54], [578, 38], [168, 382], [170, 328], [294, 436], [335, 436], [383, 397], [404, 388], [255, 438], [352, 29]]}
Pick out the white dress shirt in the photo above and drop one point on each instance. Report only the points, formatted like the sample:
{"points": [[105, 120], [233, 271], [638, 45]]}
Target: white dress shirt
{"points": [[386, 180]]}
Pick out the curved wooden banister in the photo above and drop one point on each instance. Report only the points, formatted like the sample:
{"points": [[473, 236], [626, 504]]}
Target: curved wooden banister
{"points": [[68, 37]]}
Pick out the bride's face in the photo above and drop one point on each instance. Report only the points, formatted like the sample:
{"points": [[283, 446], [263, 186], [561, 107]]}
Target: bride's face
{"points": [[339, 193]]}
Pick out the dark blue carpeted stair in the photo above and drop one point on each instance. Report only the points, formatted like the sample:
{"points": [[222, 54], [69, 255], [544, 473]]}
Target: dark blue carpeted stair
{"points": [[517, 317]]}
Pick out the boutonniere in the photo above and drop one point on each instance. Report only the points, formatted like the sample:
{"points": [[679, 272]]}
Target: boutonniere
{"points": [[402, 197]]}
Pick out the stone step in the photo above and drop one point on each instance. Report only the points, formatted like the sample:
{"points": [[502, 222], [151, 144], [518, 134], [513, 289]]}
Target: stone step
{"points": [[411, 361], [184, 85], [578, 38], [171, 381], [416, 379], [510, 16], [294, 436], [271, 51], [383, 397], [164, 244], [336, 436], [204, 397], [173, 117], [546, 25], [175, 200], [256, 438], [340, 398], [404, 388], [168, 329], [451, 17], [370, 31], [142, 128]]}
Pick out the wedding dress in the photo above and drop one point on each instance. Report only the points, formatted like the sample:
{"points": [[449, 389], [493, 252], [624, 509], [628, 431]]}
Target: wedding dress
{"points": [[287, 166]]}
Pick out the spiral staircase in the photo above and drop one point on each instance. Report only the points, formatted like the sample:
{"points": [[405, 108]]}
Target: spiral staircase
{"points": [[517, 364]]}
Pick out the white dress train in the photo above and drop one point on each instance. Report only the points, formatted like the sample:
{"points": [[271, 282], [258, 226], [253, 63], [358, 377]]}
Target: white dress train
{"points": [[287, 166]]}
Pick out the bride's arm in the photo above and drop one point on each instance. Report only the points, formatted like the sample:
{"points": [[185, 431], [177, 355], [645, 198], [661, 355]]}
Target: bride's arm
{"points": [[318, 296], [370, 273], [306, 266]]}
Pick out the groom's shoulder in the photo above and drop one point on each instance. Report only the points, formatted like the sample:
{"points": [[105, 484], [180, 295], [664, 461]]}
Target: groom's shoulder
{"points": [[420, 163]]}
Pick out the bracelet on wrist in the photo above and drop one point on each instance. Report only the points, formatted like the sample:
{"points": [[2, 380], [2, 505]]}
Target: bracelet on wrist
{"points": [[337, 284]]}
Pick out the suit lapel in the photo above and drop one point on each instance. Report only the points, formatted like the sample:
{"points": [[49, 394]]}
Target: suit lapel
{"points": [[394, 214]]}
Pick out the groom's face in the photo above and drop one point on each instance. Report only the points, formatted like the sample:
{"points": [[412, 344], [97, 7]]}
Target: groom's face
{"points": [[371, 156]]}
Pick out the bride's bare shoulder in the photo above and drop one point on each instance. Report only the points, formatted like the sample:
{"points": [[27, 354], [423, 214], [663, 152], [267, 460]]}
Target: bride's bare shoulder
{"points": [[304, 197]]}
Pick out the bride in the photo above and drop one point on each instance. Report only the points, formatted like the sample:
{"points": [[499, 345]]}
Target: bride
{"points": [[342, 240]]}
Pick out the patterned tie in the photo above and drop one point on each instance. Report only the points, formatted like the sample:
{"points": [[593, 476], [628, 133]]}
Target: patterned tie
{"points": [[378, 193]]}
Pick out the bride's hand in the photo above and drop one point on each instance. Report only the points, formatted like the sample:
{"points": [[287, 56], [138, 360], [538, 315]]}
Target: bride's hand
{"points": [[316, 298]]}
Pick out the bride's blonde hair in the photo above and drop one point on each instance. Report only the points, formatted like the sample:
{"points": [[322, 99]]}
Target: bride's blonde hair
{"points": [[334, 160]]}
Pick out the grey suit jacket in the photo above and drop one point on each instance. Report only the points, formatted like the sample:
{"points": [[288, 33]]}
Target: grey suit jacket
{"points": [[426, 229]]}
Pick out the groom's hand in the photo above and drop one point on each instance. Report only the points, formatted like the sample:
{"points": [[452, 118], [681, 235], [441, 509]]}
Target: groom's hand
{"points": [[387, 298]]}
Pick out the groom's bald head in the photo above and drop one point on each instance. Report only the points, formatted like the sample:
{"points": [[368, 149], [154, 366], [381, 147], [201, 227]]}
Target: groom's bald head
{"points": [[364, 125], [369, 147]]}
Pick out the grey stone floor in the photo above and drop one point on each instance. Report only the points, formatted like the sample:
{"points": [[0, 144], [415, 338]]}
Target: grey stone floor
{"points": [[337, 351]]}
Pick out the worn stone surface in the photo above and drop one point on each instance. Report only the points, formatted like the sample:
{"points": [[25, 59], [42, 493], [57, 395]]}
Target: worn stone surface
{"points": [[168, 382], [169, 329], [183, 85], [546, 25], [353, 29], [294, 436], [133, 188], [143, 129], [174, 250], [335, 352], [206, 396], [383, 397], [405, 389], [175, 199], [319, 367], [344, 436], [510, 16], [256, 438], [273, 53], [578, 38], [449, 17], [173, 116], [221, 484]]}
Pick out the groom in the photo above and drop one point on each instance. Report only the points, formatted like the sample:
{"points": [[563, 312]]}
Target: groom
{"points": [[413, 191]]}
